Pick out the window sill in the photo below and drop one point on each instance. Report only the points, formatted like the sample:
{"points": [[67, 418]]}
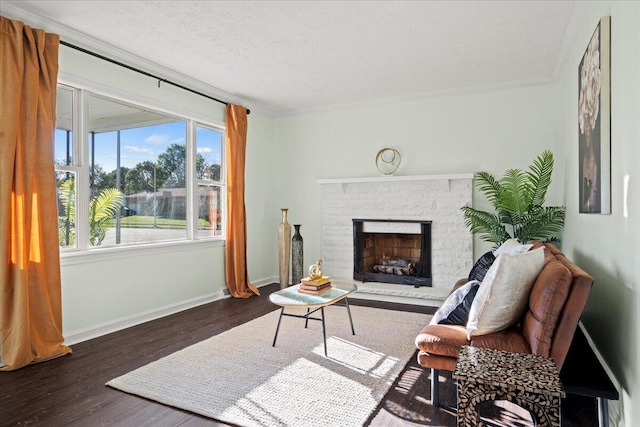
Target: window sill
{"points": [[72, 257]]}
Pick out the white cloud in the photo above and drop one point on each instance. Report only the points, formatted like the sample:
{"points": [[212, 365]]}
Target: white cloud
{"points": [[137, 149], [204, 150], [157, 138]]}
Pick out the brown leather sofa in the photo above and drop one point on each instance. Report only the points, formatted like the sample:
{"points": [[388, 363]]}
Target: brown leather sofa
{"points": [[556, 302]]}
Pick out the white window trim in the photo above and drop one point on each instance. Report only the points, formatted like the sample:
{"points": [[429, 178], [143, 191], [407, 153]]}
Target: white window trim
{"points": [[222, 183], [192, 232], [83, 252], [75, 82], [76, 256]]}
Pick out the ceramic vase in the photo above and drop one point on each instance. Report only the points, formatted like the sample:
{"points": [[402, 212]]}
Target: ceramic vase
{"points": [[297, 255], [284, 249]]}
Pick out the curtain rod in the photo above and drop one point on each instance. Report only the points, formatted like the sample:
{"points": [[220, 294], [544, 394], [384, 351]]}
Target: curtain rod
{"points": [[137, 70]]}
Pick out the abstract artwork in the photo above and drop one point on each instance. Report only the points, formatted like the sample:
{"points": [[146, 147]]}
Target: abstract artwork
{"points": [[594, 120]]}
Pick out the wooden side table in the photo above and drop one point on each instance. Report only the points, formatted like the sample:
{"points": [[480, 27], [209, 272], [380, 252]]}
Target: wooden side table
{"points": [[529, 381]]}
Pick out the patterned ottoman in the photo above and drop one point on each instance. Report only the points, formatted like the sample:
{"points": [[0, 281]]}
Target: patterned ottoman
{"points": [[529, 381]]}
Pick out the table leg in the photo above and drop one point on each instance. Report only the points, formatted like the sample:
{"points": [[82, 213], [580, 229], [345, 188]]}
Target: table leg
{"points": [[278, 327], [324, 331], [346, 302], [306, 322], [469, 395], [435, 387], [603, 412]]}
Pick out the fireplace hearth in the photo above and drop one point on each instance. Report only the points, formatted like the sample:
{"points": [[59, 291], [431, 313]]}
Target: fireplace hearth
{"points": [[392, 251]]}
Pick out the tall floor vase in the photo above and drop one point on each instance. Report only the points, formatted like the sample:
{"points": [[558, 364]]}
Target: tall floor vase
{"points": [[297, 256], [284, 249]]}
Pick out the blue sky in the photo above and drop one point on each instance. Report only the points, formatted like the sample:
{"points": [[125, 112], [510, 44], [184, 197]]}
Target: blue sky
{"points": [[145, 143]]}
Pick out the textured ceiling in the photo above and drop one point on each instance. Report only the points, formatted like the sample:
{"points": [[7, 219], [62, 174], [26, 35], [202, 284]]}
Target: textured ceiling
{"points": [[288, 56]]}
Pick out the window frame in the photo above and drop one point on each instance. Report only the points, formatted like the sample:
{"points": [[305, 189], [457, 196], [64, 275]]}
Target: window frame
{"points": [[209, 182], [83, 251]]}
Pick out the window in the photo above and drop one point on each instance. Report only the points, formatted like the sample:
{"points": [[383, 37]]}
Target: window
{"points": [[134, 176], [208, 172], [66, 170]]}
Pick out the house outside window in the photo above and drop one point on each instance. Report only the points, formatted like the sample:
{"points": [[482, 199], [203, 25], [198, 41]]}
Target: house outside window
{"points": [[128, 175]]}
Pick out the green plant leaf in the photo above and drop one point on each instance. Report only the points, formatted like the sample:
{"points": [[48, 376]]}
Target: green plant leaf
{"points": [[540, 177], [101, 209], [517, 199], [106, 204], [542, 223], [66, 222], [66, 230], [489, 186], [486, 224], [67, 196], [515, 193]]}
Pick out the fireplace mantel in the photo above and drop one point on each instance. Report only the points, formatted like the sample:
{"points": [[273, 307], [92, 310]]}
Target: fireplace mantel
{"points": [[393, 178]]}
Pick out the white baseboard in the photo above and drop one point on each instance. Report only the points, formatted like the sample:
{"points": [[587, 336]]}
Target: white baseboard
{"points": [[105, 328], [266, 281]]}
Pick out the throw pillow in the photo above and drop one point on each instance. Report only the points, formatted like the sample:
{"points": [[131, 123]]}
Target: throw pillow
{"points": [[504, 292], [481, 266], [455, 309], [512, 246]]}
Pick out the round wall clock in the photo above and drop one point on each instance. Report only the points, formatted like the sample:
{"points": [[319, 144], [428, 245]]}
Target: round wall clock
{"points": [[388, 160]]}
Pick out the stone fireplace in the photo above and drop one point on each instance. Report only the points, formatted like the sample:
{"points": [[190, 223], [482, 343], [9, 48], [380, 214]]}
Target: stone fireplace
{"points": [[409, 201]]}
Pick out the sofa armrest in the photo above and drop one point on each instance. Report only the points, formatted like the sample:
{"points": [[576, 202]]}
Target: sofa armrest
{"points": [[444, 340]]}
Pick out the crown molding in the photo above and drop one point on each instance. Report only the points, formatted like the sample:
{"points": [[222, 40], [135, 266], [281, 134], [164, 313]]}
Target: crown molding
{"points": [[570, 35], [469, 90]]}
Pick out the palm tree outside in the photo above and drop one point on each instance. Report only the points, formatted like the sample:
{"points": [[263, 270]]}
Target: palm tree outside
{"points": [[102, 209]]}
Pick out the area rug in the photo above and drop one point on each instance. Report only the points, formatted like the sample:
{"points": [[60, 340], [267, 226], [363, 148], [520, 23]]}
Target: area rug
{"points": [[238, 377]]}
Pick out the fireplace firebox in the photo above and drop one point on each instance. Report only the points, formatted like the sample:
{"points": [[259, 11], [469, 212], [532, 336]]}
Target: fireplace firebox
{"points": [[392, 251]]}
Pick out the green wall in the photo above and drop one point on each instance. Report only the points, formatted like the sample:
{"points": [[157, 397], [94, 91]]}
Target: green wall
{"points": [[607, 245]]}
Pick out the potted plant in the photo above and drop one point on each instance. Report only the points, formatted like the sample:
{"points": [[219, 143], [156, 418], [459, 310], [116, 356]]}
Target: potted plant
{"points": [[518, 199]]}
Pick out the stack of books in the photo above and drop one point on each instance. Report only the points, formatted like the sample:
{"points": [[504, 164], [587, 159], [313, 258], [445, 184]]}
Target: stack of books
{"points": [[315, 286]]}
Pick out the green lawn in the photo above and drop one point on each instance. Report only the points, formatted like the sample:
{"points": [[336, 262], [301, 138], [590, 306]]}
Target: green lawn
{"points": [[139, 221]]}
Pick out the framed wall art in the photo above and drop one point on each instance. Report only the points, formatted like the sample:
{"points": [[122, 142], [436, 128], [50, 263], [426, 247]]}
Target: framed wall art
{"points": [[594, 122]]}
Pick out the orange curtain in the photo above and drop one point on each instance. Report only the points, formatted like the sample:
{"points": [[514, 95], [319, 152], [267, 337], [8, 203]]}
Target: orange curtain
{"points": [[30, 291], [236, 245]]}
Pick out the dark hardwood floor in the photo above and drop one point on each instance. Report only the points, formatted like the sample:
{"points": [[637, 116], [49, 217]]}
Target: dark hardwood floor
{"points": [[70, 391]]}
